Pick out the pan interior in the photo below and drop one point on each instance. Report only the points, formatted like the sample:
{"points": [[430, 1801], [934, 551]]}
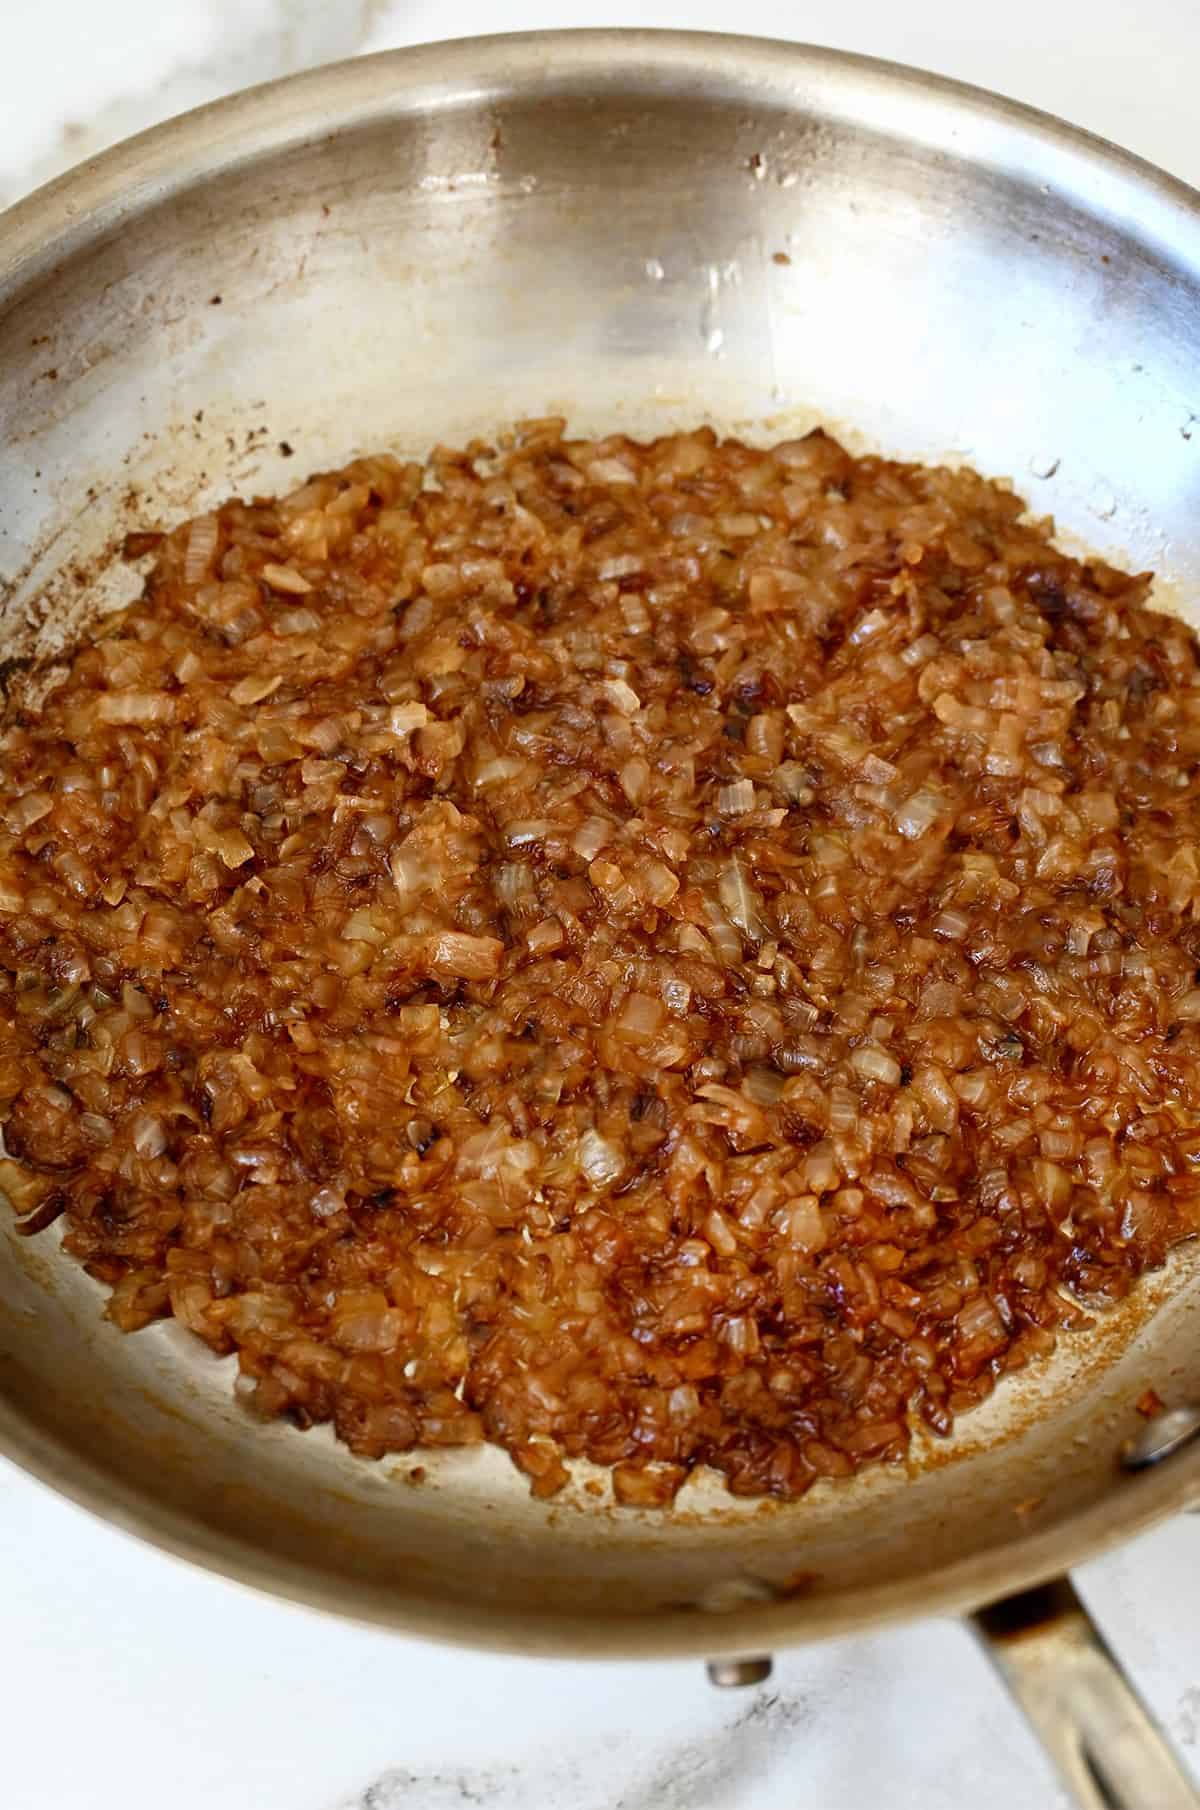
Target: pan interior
{"points": [[640, 232]]}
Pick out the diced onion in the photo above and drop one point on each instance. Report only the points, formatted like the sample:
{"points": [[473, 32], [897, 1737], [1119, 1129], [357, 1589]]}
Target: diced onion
{"points": [[875, 1064], [917, 815], [600, 1161], [286, 578], [679, 954], [733, 800]]}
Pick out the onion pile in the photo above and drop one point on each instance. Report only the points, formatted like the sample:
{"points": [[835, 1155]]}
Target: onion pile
{"points": [[675, 954]]}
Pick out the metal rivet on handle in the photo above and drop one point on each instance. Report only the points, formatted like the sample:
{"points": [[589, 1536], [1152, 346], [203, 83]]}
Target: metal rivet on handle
{"points": [[730, 1673], [1161, 1438]]}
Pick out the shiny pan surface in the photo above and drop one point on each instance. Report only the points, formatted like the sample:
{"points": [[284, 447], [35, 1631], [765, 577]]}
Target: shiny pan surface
{"points": [[641, 231]]}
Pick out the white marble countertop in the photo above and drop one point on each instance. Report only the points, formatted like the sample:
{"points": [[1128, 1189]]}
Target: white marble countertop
{"points": [[181, 1690]]}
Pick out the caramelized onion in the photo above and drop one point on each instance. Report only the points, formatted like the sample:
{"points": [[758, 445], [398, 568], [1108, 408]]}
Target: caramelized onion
{"points": [[675, 954]]}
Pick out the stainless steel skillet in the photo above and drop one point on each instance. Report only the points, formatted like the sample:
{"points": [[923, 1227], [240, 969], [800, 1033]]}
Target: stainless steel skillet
{"points": [[638, 230]]}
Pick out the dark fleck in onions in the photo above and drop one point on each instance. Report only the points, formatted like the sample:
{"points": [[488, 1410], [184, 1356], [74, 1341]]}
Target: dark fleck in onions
{"points": [[671, 954]]}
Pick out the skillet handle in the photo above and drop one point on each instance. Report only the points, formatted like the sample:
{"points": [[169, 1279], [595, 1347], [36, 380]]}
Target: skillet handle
{"points": [[1110, 1753]]}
